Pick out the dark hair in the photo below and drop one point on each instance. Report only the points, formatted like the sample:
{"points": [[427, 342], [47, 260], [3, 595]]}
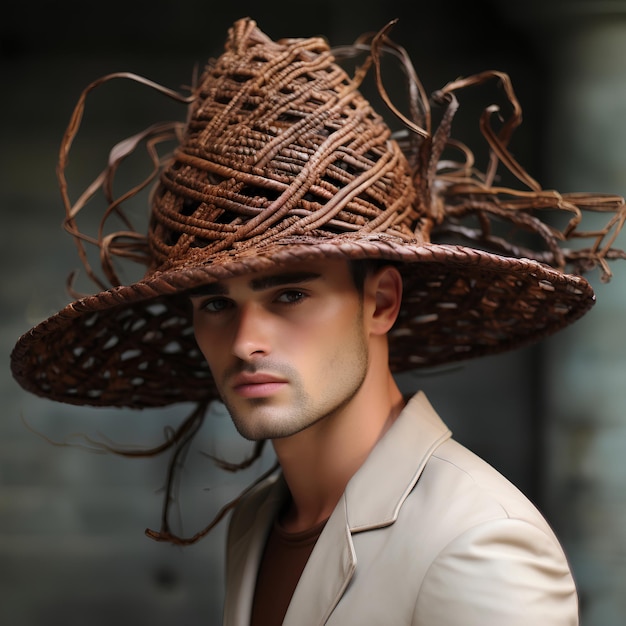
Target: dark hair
{"points": [[361, 268]]}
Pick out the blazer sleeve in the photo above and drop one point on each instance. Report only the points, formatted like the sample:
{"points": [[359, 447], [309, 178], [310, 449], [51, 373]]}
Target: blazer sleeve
{"points": [[505, 572]]}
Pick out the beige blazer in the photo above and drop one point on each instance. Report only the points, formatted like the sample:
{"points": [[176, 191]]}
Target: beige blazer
{"points": [[425, 534]]}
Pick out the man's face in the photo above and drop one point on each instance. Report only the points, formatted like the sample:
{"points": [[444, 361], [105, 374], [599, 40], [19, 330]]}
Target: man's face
{"points": [[286, 348]]}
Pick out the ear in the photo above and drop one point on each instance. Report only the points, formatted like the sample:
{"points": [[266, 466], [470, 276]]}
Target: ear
{"points": [[385, 288]]}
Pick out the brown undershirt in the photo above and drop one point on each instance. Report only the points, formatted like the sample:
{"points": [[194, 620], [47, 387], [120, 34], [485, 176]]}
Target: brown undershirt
{"points": [[284, 558]]}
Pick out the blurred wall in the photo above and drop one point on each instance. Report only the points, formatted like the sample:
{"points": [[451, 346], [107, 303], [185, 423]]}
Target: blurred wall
{"points": [[550, 417]]}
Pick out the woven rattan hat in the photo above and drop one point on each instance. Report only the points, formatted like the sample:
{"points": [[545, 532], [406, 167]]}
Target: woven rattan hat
{"points": [[283, 159]]}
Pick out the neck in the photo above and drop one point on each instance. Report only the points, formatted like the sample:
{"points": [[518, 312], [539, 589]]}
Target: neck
{"points": [[318, 462]]}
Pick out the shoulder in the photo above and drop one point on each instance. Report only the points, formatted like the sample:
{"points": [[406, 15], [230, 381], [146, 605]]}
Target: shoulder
{"points": [[490, 544], [457, 492], [466, 484]]}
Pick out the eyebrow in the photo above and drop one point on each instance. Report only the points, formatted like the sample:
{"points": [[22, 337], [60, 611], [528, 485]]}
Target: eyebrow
{"points": [[257, 284]]}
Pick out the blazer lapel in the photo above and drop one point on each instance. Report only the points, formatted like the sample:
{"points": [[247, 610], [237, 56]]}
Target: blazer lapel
{"points": [[326, 575], [244, 555]]}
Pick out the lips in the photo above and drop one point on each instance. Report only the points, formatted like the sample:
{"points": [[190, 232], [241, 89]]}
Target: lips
{"points": [[257, 385]]}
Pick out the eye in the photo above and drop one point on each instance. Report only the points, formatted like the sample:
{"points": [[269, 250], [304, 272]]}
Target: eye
{"points": [[291, 296], [214, 305]]}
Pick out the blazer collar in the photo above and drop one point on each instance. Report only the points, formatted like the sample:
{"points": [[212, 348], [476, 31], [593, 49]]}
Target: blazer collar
{"points": [[376, 492]]}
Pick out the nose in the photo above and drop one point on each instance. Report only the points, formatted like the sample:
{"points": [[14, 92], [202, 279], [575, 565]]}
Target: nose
{"points": [[252, 333]]}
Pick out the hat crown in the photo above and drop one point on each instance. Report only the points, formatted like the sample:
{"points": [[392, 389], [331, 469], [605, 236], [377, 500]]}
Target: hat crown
{"points": [[280, 145]]}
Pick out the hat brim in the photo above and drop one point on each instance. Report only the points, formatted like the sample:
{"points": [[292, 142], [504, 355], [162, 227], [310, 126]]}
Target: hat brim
{"points": [[134, 346]]}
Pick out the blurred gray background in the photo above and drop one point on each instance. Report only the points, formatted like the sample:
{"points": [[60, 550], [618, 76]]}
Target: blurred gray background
{"points": [[551, 417]]}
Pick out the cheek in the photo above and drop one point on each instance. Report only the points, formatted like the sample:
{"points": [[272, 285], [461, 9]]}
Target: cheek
{"points": [[338, 315], [336, 331]]}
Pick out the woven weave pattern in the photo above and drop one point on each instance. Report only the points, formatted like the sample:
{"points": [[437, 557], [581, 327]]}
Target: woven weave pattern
{"points": [[279, 144], [500, 315], [145, 354]]}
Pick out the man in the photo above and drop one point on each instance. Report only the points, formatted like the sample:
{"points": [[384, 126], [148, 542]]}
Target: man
{"points": [[296, 261], [300, 357]]}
